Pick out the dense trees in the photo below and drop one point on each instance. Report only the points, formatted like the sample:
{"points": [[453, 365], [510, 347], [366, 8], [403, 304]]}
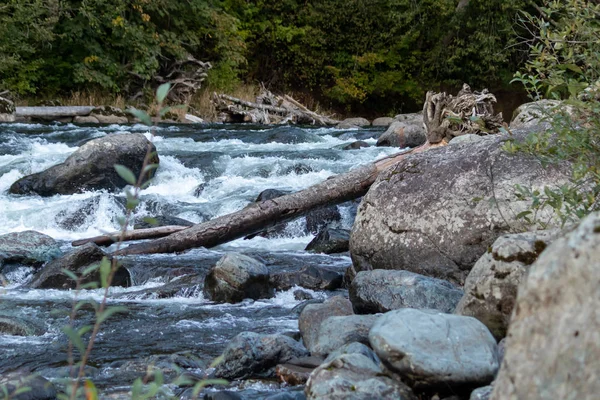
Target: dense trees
{"points": [[381, 54]]}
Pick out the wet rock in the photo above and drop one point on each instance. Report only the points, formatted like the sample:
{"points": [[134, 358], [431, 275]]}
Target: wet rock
{"points": [[7, 110], [352, 348], [78, 214], [290, 135], [28, 247], [270, 194], [354, 122], [553, 340], [186, 286], [482, 393], [253, 355], [330, 241], [293, 374], [18, 326], [432, 212], [313, 315], [222, 395], [86, 119], [298, 169], [39, 388], [301, 295], [354, 377], [309, 277], [76, 261], [434, 350], [382, 291], [336, 332], [318, 219], [91, 167], [359, 144], [383, 121], [491, 287], [236, 277], [162, 220], [403, 134]]}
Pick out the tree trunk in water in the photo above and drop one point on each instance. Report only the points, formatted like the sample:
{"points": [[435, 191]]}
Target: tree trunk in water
{"points": [[259, 216], [136, 234]]}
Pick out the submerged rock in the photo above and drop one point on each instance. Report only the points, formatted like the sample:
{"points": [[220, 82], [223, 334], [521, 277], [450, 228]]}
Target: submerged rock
{"points": [[17, 326], [330, 241], [382, 291], [91, 167], [28, 247], [354, 377], [435, 213], [553, 341], [309, 277], [38, 388], [312, 317], [250, 354], [336, 332], [162, 220], [491, 287], [236, 277], [359, 144], [434, 350]]}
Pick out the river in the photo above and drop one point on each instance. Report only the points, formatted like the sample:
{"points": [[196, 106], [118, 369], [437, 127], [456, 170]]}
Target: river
{"points": [[205, 171]]}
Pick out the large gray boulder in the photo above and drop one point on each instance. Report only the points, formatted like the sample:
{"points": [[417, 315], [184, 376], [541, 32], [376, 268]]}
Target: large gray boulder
{"points": [[553, 341], [431, 349], [491, 287], [28, 247], [537, 114], [91, 167], [403, 134], [51, 276], [382, 291], [309, 277], [312, 317], [236, 277], [330, 241], [336, 332], [435, 213], [383, 121], [251, 354], [354, 377]]}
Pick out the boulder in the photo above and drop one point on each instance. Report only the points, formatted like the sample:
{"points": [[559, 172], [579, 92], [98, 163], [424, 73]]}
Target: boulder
{"points": [[38, 388], [352, 348], [359, 144], [431, 349], [410, 117], [535, 114], [53, 277], [436, 212], [18, 326], [91, 167], [28, 247], [250, 354], [403, 134], [354, 122], [491, 287], [354, 377], [383, 121], [330, 241], [320, 218], [309, 277], [7, 110], [313, 315], [162, 220], [293, 375], [236, 277], [482, 393], [336, 332], [85, 119], [382, 291], [553, 341]]}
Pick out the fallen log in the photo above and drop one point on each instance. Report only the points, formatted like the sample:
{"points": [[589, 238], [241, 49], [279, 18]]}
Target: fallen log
{"points": [[136, 234], [260, 216], [53, 112]]}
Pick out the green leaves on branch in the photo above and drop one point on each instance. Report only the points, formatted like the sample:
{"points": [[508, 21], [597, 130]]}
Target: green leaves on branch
{"points": [[125, 173]]}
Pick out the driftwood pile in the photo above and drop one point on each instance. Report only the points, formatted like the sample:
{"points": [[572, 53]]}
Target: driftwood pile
{"points": [[268, 109], [446, 116]]}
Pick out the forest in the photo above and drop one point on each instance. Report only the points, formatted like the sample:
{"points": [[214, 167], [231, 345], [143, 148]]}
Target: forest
{"points": [[348, 55]]}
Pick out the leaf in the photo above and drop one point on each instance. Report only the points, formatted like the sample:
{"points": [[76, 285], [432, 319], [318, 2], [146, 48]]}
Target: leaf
{"points": [[106, 314], [105, 267], [205, 382], [70, 274], [90, 269], [149, 168], [162, 91], [91, 393], [19, 391], [150, 221], [74, 338], [141, 115], [126, 174]]}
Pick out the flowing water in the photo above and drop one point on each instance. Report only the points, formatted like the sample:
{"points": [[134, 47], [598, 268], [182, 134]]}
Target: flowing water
{"points": [[205, 172]]}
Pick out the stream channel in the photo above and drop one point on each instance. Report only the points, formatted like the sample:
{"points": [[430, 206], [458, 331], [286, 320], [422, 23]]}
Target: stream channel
{"points": [[205, 171]]}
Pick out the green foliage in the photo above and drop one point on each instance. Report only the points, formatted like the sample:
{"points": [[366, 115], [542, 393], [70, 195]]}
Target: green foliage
{"points": [[565, 63]]}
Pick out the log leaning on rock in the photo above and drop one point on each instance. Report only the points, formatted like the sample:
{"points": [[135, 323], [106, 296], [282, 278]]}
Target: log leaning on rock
{"points": [[136, 234]]}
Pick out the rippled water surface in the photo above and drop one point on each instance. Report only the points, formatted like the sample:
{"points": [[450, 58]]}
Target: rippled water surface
{"points": [[205, 171]]}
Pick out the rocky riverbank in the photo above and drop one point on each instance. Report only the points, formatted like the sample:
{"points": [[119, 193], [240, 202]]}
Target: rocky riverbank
{"points": [[447, 296]]}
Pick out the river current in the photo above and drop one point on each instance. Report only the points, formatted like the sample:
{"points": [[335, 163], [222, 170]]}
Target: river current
{"points": [[205, 171]]}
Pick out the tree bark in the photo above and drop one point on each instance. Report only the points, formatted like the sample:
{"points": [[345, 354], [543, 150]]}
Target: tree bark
{"points": [[136, 234], [259, 216]]}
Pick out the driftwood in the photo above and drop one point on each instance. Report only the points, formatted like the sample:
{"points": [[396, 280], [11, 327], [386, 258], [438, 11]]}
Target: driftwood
{"points": [[46, 112], [136, 234], [268, 109], [446, 116], [259, 216]]}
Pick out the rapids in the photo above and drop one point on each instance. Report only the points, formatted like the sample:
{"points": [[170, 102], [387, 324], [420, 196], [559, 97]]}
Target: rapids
{"points": [[205, 171]]}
